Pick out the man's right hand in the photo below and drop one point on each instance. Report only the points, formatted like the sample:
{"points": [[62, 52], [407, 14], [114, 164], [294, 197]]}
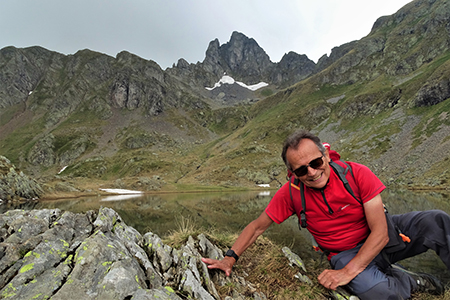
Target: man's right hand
{"points": [[225, 264], [247, 237]]}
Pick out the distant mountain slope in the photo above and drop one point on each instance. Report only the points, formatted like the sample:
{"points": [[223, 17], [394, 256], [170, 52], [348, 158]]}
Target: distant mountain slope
{"points": [[382, 100], [56, 108]]}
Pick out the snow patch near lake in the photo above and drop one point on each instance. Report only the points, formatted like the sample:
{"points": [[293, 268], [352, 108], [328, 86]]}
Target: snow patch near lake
{"points": [[121, 191], [121, 197]]}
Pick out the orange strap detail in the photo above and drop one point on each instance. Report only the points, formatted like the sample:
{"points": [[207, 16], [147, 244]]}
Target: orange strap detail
{"points": [[405, 238], [295, 186]]}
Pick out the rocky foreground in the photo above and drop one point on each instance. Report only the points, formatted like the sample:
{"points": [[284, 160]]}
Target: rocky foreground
{"points": [[61, 255]]}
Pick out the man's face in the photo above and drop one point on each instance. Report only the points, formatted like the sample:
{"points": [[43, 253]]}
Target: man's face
{"points": [[305, 153]]}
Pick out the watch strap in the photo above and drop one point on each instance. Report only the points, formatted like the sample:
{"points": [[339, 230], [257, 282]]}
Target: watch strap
{"points": [[232, 254]]}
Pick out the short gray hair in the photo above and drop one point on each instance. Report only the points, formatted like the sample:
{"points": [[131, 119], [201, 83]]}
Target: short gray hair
{"points": [[294, 140]]}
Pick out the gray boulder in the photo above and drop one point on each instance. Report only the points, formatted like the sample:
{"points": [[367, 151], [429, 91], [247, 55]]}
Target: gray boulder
{"points": [[53, 254], [14, 184]]}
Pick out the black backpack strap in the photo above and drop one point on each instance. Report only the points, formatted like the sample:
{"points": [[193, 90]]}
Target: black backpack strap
{"points": [[302, 213], [342, 172], [302, 220]]}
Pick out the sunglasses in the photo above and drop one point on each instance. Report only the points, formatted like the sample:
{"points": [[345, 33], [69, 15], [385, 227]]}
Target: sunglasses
{"points": [[303, 170]]}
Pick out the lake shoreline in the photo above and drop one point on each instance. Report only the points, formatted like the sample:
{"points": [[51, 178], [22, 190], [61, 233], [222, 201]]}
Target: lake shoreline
{"points": [[210, 189], [97, 189]]}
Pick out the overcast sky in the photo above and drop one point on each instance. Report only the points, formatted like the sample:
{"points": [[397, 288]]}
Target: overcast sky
{"points": [[166, 30]]}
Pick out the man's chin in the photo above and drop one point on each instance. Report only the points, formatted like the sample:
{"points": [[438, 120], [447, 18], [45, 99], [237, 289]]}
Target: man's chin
{"points": [[318, 183]]}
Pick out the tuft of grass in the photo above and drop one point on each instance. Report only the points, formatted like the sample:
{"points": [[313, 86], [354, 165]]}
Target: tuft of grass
{"points": [[186, 227], [226, 289], [270, 271]]}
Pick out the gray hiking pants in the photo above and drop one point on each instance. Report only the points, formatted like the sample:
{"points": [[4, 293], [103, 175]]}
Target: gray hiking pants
{"points": [[427, 230]]}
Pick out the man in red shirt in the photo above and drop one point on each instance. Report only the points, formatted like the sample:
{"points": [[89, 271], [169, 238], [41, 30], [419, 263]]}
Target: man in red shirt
{"points": [[353, 233]]}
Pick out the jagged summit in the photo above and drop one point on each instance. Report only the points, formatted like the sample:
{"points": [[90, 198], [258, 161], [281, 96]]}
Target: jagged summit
{"points": [[246, 61]]}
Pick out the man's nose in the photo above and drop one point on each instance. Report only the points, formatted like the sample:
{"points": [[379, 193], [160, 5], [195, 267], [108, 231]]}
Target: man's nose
{"points": [[311, 171]]}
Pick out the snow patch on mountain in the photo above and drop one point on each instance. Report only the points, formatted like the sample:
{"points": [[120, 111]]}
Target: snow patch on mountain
{"points": [[229, 80]]}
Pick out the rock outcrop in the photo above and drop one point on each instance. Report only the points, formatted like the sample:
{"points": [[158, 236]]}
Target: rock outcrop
{"points": [[53, 254], [14, 184], [48, 253]]}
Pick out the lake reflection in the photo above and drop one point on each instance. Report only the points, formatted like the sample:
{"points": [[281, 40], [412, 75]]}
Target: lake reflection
{"points": [[231, 212]]}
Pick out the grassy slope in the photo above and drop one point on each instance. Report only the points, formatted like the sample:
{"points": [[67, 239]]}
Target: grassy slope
{"points": [[264, 265]]}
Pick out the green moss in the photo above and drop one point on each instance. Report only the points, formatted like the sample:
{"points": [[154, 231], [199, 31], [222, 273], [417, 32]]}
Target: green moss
{"points": [[66, 244], [26, 268], [9, 291], [6, 294], [68, 260]]}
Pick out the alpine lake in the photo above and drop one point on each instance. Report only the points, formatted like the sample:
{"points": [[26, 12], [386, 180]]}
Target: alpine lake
{"points": [[232, 211]]}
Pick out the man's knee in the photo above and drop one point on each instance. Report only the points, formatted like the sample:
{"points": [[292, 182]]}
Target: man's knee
{"points": [[423, 222], [441, 218], [436, 226]]}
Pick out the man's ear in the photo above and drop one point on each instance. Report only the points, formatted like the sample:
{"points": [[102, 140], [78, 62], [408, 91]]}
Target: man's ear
{"points": [[327, 154]]}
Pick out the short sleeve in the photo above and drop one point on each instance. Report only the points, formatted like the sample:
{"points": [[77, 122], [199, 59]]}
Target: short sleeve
{"points": [[281, 206], [368, 183]]}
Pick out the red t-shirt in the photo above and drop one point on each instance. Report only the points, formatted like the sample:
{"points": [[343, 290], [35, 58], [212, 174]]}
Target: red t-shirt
{"points": [[346, 226]]}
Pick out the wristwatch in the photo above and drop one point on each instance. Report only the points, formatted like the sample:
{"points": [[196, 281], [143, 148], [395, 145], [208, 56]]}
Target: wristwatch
{"points": [[232, 254]]}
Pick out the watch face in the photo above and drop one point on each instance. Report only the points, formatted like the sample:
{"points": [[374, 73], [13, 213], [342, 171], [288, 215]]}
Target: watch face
{"points": [[231, 253]]}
